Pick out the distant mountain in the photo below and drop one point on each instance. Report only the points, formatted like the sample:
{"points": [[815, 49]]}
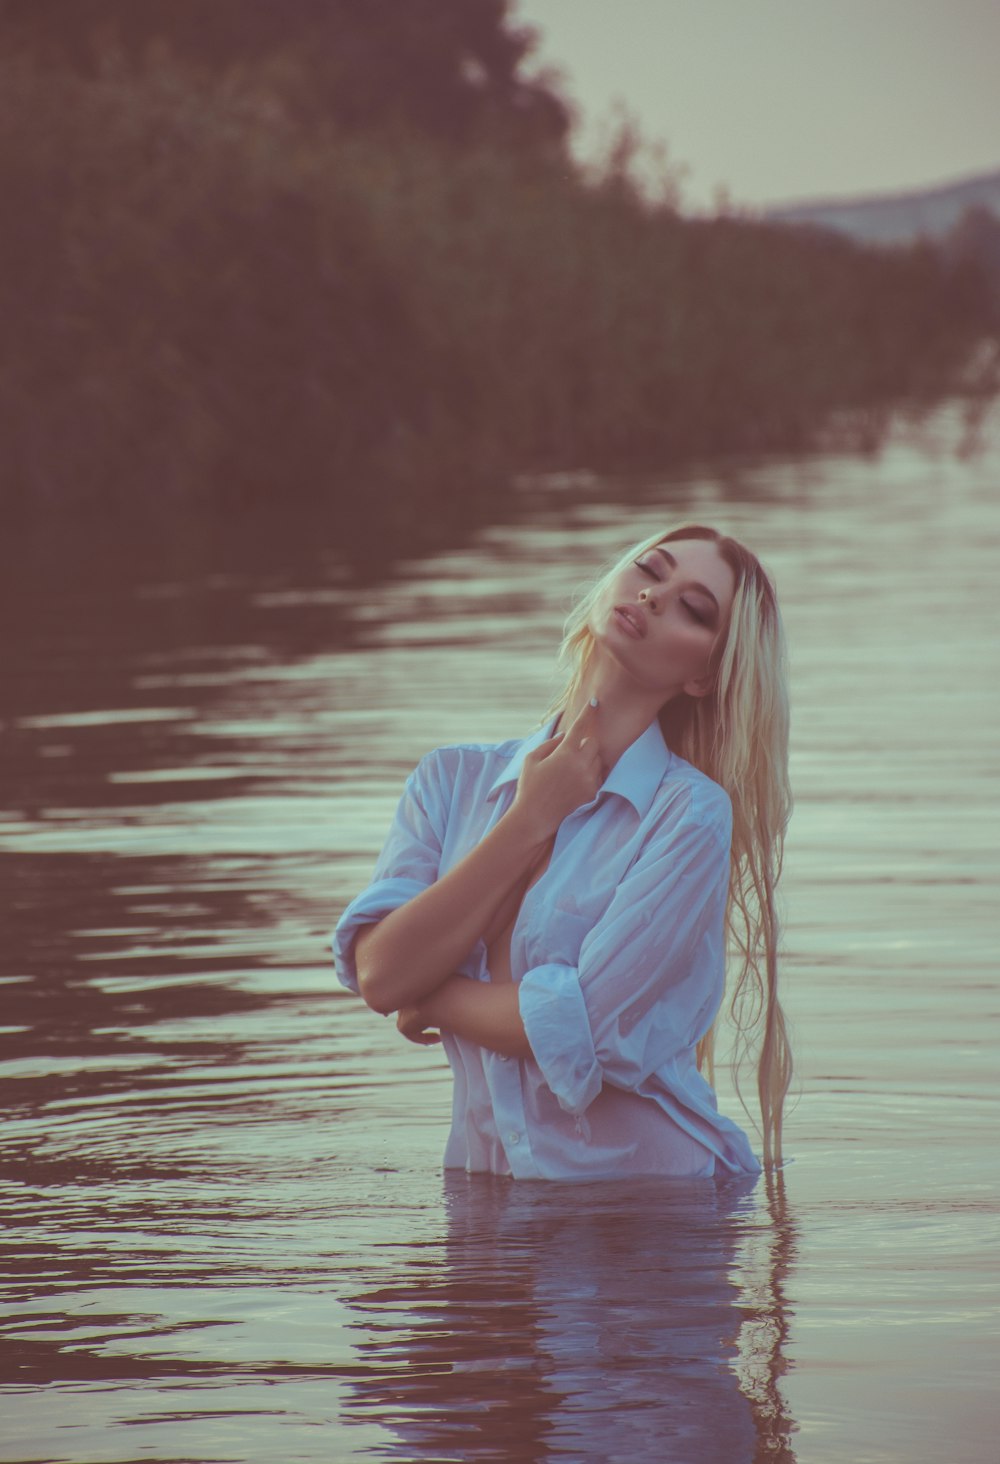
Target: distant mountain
{"points": [[898, 218]]}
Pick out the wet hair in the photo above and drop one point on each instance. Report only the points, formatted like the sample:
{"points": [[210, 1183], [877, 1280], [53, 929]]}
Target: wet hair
{"points": [[737, 734]]}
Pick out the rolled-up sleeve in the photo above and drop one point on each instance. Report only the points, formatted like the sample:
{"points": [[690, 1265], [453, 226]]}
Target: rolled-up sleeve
{"points": [[650, 974], [408, 864]]}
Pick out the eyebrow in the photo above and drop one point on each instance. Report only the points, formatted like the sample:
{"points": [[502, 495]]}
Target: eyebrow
{"points": [[697, 585]]}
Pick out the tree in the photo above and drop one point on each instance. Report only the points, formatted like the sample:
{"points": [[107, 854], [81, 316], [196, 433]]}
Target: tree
{"points": [[450, 68]]}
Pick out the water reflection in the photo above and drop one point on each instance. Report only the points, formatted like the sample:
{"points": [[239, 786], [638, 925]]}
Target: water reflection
{"points": [[574, 1321]]}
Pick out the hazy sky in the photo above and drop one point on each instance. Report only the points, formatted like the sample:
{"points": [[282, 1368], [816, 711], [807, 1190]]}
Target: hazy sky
{"points": [[780, 100]]}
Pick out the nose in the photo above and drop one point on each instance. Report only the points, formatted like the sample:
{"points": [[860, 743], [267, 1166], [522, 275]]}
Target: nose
{"points": [[646, 596]]}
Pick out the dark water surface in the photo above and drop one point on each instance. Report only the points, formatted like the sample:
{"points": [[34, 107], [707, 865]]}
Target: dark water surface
{"points": [[227, 1235]]}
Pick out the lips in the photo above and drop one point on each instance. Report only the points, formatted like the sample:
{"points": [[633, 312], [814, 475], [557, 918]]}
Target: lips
{"points": [[632, 621]]}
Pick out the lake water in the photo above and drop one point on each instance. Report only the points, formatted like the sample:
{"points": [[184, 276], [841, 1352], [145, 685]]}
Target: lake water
{"points": [[227, 1232]]}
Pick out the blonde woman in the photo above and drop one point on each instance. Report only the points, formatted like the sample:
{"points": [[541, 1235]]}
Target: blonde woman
{"points": [[556, 909]]}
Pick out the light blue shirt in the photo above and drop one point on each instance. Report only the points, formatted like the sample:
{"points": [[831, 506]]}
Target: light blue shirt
{"points": [[618, 952]]}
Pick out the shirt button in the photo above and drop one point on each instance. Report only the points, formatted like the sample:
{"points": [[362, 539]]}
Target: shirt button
{"points": [[513, 1138], [503, 1056]]}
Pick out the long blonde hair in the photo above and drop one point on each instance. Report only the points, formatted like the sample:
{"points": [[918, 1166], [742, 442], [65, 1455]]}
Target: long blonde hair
{"points": [[737, 734]]}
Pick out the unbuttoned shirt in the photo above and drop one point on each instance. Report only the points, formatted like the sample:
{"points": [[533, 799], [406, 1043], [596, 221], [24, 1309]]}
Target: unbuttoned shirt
{"points": [[618, 954]]}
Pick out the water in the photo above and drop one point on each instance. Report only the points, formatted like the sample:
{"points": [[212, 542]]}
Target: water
{"points": [[227, 1233]]}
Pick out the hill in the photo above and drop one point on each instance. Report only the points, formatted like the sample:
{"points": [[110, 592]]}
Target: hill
{"points": [[898, 218]]}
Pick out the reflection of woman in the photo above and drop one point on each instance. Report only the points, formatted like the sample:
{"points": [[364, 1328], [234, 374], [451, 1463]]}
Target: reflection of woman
{"points": [[558, 906], [590, 1325]]}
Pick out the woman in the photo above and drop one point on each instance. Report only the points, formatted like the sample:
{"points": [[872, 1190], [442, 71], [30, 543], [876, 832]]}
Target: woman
{"points": [[557, 908]]}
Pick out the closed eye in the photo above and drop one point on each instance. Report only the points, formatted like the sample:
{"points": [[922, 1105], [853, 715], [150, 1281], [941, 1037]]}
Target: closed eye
{"points": [[703, 617], [695, 613]]}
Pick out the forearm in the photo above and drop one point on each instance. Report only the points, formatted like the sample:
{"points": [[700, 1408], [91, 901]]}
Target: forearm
{"points": [[480, 1011], [410, 952]]}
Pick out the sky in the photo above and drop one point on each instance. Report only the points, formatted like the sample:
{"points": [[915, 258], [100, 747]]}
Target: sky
{"points": [[780, 101]]}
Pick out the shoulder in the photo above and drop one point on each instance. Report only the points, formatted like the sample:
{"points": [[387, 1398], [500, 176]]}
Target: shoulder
{"points": [[462, 764], [691, 799]]}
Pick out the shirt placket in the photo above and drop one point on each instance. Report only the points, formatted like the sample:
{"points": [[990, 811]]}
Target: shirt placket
{"points": [[504, 1076]]}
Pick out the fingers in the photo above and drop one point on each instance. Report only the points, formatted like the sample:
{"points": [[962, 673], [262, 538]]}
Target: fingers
{"points": [[411, 1025], [420, 1035], [589, 711], [584, 728], [585, 721], [544, 748]]}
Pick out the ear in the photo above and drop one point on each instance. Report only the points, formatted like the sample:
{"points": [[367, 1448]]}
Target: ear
{"points": [[700, 685]]}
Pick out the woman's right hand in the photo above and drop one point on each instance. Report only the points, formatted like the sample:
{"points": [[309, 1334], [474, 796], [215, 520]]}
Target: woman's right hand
{"points": [[560, 774]]}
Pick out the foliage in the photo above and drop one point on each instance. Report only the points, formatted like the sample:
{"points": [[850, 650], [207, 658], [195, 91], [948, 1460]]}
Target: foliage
{"points": [[216, 294], [448, 69], [975, 240]]}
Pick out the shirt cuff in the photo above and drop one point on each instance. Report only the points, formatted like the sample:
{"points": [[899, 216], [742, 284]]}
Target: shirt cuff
{"points": [[378, 900], [558, 1031]]}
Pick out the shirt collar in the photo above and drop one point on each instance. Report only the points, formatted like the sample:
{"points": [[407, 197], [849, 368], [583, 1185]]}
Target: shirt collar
{"points": [[635, 776]]}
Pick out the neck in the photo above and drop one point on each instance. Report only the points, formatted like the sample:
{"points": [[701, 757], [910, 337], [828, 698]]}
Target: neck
{"points": [[626, 708]]}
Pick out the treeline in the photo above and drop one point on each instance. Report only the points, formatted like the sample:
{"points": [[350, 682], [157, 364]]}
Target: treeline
{"points": [[229, 278]]}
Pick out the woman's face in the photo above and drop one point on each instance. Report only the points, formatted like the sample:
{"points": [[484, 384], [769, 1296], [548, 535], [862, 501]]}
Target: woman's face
{"points": [[662, 617]]}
